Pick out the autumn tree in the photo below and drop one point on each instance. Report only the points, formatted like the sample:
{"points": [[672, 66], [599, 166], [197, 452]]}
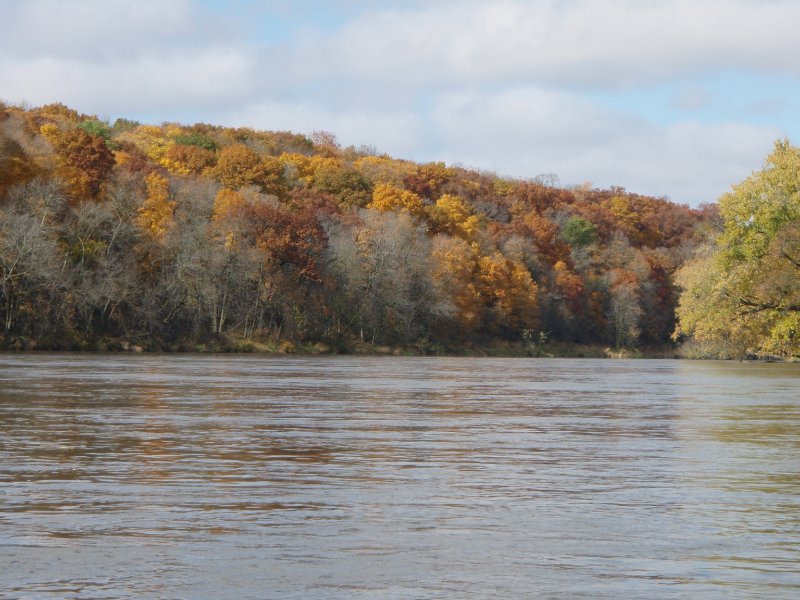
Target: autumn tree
{"points": [[545, 235], [451, 215], [743, 294], [15, 166], [347, 185], [427, 180], [569, 295], [387, 197], [186, 159], [540, 197], [150, 139], [238, 166], [325, 142], [60, 111], [456, 273], [382, 169], [510, 293], [290, 239], [227, 204], [155, 214], [84, 162]]}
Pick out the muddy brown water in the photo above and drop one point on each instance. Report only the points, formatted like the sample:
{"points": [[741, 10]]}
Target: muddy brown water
{"points": [[148, 476]]}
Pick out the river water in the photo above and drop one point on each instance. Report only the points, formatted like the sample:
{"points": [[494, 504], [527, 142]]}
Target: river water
{"points": [[141, 476]]}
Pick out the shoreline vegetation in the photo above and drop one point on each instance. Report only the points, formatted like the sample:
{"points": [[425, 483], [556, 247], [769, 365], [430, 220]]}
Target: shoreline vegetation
{"points": [[128, 236], [226, 345], [493, 349]]}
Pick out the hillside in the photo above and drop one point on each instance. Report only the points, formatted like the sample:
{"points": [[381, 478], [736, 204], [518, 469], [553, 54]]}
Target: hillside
{"points": [[173, 236]]}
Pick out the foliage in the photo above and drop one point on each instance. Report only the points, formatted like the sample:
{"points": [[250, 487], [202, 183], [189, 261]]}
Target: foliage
{"points": [[238, 166], [347, 185], [427, 180], [156, 213], [186, 159], [196, 233], [743, 293], [15, 166], [194, 138], [97, 128], [120, 125], [578, 231], [386, 197], [150, 139], [451, 215], [84, 162]]}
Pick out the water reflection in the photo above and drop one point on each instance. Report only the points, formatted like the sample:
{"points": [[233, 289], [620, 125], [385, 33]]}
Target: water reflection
{"points": [[248, 477]]}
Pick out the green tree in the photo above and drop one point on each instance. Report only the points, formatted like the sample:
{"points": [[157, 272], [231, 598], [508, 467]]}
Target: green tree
{"points": [[96, 128], [743, 294], [578, 231]]}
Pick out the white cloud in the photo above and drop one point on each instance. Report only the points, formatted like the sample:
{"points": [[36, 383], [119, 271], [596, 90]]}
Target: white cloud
{"points": [[572, 42], [212, 78], [494, 84], [97, 30], [691, 98], [398, 133], [529, 131]]}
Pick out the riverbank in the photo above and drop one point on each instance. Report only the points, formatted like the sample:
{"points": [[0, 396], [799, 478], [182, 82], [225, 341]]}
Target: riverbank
{"points": [[225, 344], [343, 346]]}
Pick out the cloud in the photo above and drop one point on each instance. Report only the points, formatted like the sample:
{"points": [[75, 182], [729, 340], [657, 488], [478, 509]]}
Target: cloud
{"points": [[211, 78], [99, 30], [692, 98], [507, 85], [558, 42], [122, 56], [528, 131], [401, 134]]}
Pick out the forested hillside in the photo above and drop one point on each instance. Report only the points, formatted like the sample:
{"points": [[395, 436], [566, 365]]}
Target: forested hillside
{"points": [[173, 236]]}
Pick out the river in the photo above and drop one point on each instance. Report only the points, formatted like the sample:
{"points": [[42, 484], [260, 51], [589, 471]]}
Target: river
{"points": [[230, 477]]}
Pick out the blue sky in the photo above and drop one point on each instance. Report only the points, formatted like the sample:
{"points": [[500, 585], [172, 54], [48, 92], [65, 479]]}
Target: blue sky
{"points": [[680, 98]]}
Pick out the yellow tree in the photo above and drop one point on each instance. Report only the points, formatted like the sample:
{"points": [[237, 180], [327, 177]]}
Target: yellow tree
{"points": [[150, 139], [227, 203], [304, 168], [743, 294], [509, 291], [382, 169], [238, 166], [454, 269], [388, 198], [186, 159], [155, 216], [451, 215]]}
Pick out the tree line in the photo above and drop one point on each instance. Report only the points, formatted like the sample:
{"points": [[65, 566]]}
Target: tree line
{"points": [[169, 236]]}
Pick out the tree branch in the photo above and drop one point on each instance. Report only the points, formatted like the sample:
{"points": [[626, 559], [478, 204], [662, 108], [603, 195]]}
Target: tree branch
{"points": [[795, 262], [762, 306]]}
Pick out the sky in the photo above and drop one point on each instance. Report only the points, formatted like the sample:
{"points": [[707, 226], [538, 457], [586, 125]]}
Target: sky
{"points": [[673, 98]]}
